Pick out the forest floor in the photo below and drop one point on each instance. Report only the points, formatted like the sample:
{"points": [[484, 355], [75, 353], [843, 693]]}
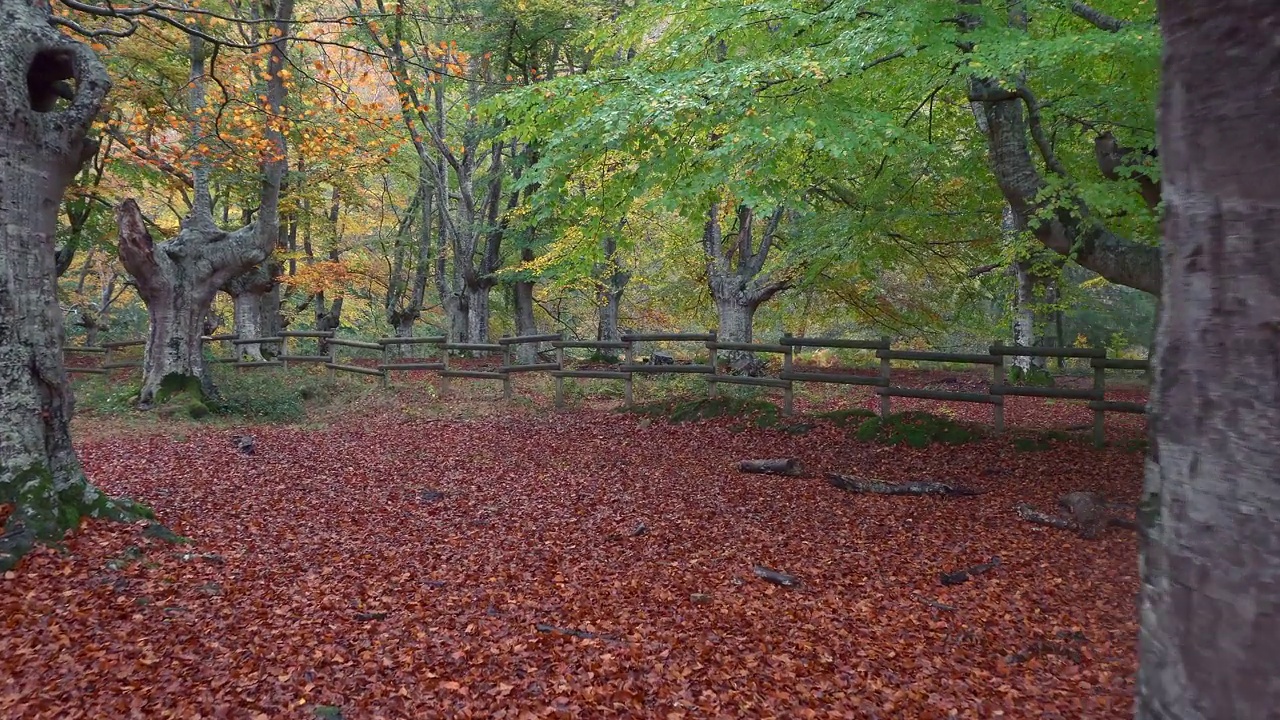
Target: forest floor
{"points": [[526, 562]]}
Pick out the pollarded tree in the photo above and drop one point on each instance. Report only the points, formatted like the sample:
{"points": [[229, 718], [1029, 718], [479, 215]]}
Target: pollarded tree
{"points": [[178, 278], [51, 87], [736, 274], [1210, 605]]}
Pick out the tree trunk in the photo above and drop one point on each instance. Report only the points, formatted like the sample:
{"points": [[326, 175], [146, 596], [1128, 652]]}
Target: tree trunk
{"points": [[328, 319], [477, 307], [177, 279], [736, 315], [1210, 517], [736, 277], [43, 124], [402, 313], [1024, 316], [248, 292], [1024, 301], [609, 295], [525, 323]]}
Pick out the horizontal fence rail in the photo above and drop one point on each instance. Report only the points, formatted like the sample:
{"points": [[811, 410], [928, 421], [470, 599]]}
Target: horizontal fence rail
{"points": [[716, 370]]}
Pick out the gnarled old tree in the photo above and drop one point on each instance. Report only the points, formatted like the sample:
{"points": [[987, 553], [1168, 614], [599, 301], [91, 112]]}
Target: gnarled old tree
{"points": [[1210, 516], [178, 278], [51, 87], [736, 276], [1009, 114]]}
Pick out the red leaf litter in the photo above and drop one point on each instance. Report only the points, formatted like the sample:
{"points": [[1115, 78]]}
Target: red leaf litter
{"points": [[565, 565]]}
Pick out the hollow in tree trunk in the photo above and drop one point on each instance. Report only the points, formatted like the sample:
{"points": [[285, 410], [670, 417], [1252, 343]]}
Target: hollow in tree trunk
{"points": [[1210, 516], [50, 90]]}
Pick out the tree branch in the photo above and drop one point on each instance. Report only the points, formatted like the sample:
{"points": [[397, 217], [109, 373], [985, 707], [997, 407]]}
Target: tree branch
{"points": [[1096, 17]]}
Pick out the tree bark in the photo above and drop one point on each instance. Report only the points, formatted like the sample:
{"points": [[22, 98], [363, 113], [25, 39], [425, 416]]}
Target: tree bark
{"points": [[51, 88], [1210, 516], [736, 275], [177, 279], [248, 292], [613, 279], [526, 324], [1024, 294]]}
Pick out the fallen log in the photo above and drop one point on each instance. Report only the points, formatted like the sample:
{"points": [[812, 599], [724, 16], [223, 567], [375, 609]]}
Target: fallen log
{"points": [[961, 576], [1087, 515], [775, 577], [914, 487], [772, 466]]}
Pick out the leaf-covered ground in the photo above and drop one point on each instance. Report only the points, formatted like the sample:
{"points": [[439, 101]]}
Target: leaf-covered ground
{"points": [[582, 564]]}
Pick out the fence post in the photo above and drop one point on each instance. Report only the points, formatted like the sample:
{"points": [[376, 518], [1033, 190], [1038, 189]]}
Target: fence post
{"points": [[284, 352], [333, 355], [560, 366], [997, 382], [444, 360], [713, 389], [1099, 415], [884, 376], [787, 395], [629, 358], [386, 360], [506, 376]]}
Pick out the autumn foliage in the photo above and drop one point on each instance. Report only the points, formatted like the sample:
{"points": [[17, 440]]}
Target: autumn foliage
{"points": [[584, 564]]}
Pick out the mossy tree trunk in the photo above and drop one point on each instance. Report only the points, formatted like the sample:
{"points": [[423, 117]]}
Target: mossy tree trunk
{"points": [[51, 88]]}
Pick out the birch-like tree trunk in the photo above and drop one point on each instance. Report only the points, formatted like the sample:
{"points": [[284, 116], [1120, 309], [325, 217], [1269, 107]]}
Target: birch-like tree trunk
{"points": [[1210, 517], [1025, 301], [248, 292], [51, 88], [177, 279]]}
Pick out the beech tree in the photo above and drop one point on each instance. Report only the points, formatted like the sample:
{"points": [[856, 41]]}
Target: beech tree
{"points": [[178, 278], [51, 88], [1210, 604], [736, 272]]}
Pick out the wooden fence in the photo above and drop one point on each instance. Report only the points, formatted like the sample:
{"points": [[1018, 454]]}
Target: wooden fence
{"points": [[714, 372]]}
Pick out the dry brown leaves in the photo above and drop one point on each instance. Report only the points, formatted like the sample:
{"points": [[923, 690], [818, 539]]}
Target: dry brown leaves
{"points": [[321, 574]]}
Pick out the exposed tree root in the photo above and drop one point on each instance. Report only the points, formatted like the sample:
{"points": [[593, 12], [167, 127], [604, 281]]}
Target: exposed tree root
{"points": [[44, 513]]}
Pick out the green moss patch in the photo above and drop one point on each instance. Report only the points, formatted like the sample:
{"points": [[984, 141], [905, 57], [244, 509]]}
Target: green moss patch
{"points": [[917, 429]]}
